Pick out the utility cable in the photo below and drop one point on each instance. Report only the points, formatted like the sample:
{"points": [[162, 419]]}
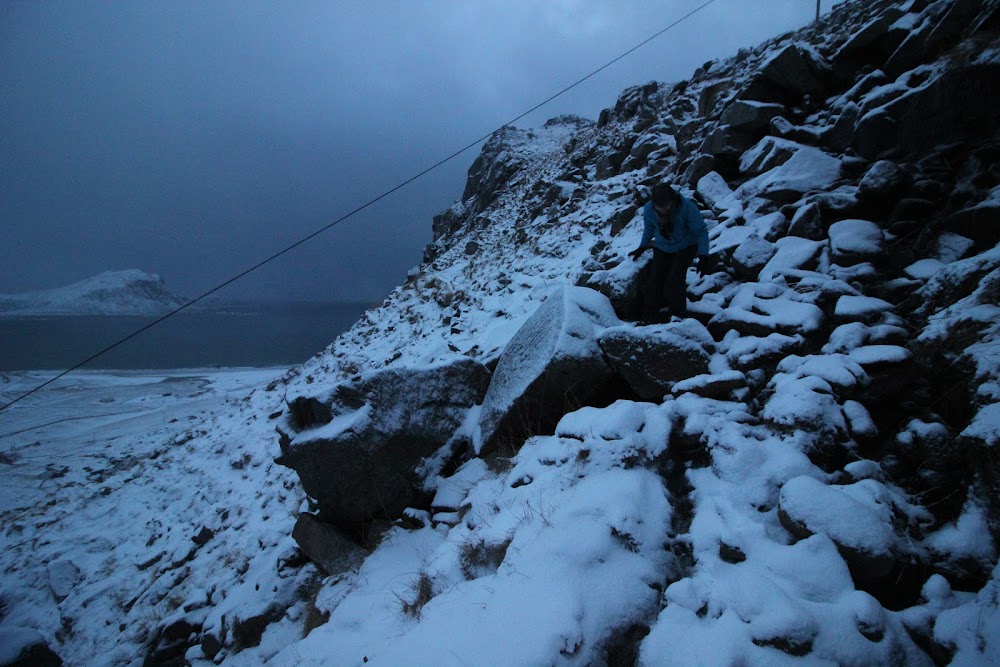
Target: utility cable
{"points": [[360, 208]]}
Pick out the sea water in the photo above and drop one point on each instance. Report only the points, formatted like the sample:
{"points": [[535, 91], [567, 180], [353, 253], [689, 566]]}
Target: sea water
{"points": [[234, 336]]}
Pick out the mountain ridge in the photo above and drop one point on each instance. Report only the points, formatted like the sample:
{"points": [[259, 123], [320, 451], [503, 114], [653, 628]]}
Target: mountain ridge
{"points": [[127, 292]]}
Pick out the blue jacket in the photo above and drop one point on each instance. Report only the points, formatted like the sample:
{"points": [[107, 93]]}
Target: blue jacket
{"points": [[689, 229]]}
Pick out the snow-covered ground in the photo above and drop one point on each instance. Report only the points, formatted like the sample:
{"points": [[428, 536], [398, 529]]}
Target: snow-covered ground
{"points": [[108, 478]]}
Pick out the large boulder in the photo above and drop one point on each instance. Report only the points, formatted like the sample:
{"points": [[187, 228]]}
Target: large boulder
{"points": [[786, 170], [356, 446], [715, 192], [652, 358], [726, 140], [551, 366], [807, 222], [788, 76], [980, 222], [873, 41], [883, 185], [890, 367], [751, 256], [751, 116]]}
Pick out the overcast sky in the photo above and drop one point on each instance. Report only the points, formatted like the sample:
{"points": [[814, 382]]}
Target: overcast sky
{"points": [[193, 139]]}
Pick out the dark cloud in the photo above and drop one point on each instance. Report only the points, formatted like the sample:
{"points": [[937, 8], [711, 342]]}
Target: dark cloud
{"points": [[192, 139]]}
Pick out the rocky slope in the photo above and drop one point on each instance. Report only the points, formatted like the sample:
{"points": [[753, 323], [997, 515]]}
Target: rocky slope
{"points": [[130, 292], [503, 469]]}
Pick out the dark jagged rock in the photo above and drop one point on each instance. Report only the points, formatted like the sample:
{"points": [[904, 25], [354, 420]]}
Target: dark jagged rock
{"points": [[807, 223], [751, 116], [727, 141], [356, 447], [796, 73], [326, 546], [980, 222], [874, 41]]}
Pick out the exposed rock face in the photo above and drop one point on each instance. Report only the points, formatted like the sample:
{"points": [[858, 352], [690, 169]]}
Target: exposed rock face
{"points": [[652, 358], [357, 446], [796, 71], [552, 364], [326, 546]]}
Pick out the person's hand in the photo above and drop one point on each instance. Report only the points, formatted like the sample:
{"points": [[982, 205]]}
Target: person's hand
{"points": [[635, 254], [707, 265]]}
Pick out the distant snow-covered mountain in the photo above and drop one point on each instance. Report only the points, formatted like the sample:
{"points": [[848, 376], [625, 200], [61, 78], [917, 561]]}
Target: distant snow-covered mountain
{"points": [[131, 292]]}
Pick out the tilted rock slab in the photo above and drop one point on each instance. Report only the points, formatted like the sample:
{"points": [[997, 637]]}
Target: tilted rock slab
{"points": [[551, 366], [356, 448], [325, 546]]}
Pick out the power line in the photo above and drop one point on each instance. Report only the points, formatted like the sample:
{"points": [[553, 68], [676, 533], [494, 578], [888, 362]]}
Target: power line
{"points": [[360, 208]]}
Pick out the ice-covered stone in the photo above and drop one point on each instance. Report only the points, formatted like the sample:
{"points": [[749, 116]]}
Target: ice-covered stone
{"points": [[806, 169], [63, 575], [924, 269], [716, 193], [712, 385], [747, 353]]}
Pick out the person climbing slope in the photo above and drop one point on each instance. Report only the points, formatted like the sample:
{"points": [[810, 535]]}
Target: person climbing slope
{"points": [[676, 231]]}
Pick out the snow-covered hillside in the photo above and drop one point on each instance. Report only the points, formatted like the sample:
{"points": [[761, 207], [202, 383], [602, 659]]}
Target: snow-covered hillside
{"points": [[504, 468], [130, 292]]}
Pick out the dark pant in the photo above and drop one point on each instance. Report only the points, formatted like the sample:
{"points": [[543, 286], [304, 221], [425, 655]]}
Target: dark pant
{"points": [[667, 284]]}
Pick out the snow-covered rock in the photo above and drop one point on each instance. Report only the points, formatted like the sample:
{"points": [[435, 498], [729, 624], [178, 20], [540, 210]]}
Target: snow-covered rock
{"points": [[652, 358], [552, 362], [356, 447], [855, 241], [857, 517]]}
